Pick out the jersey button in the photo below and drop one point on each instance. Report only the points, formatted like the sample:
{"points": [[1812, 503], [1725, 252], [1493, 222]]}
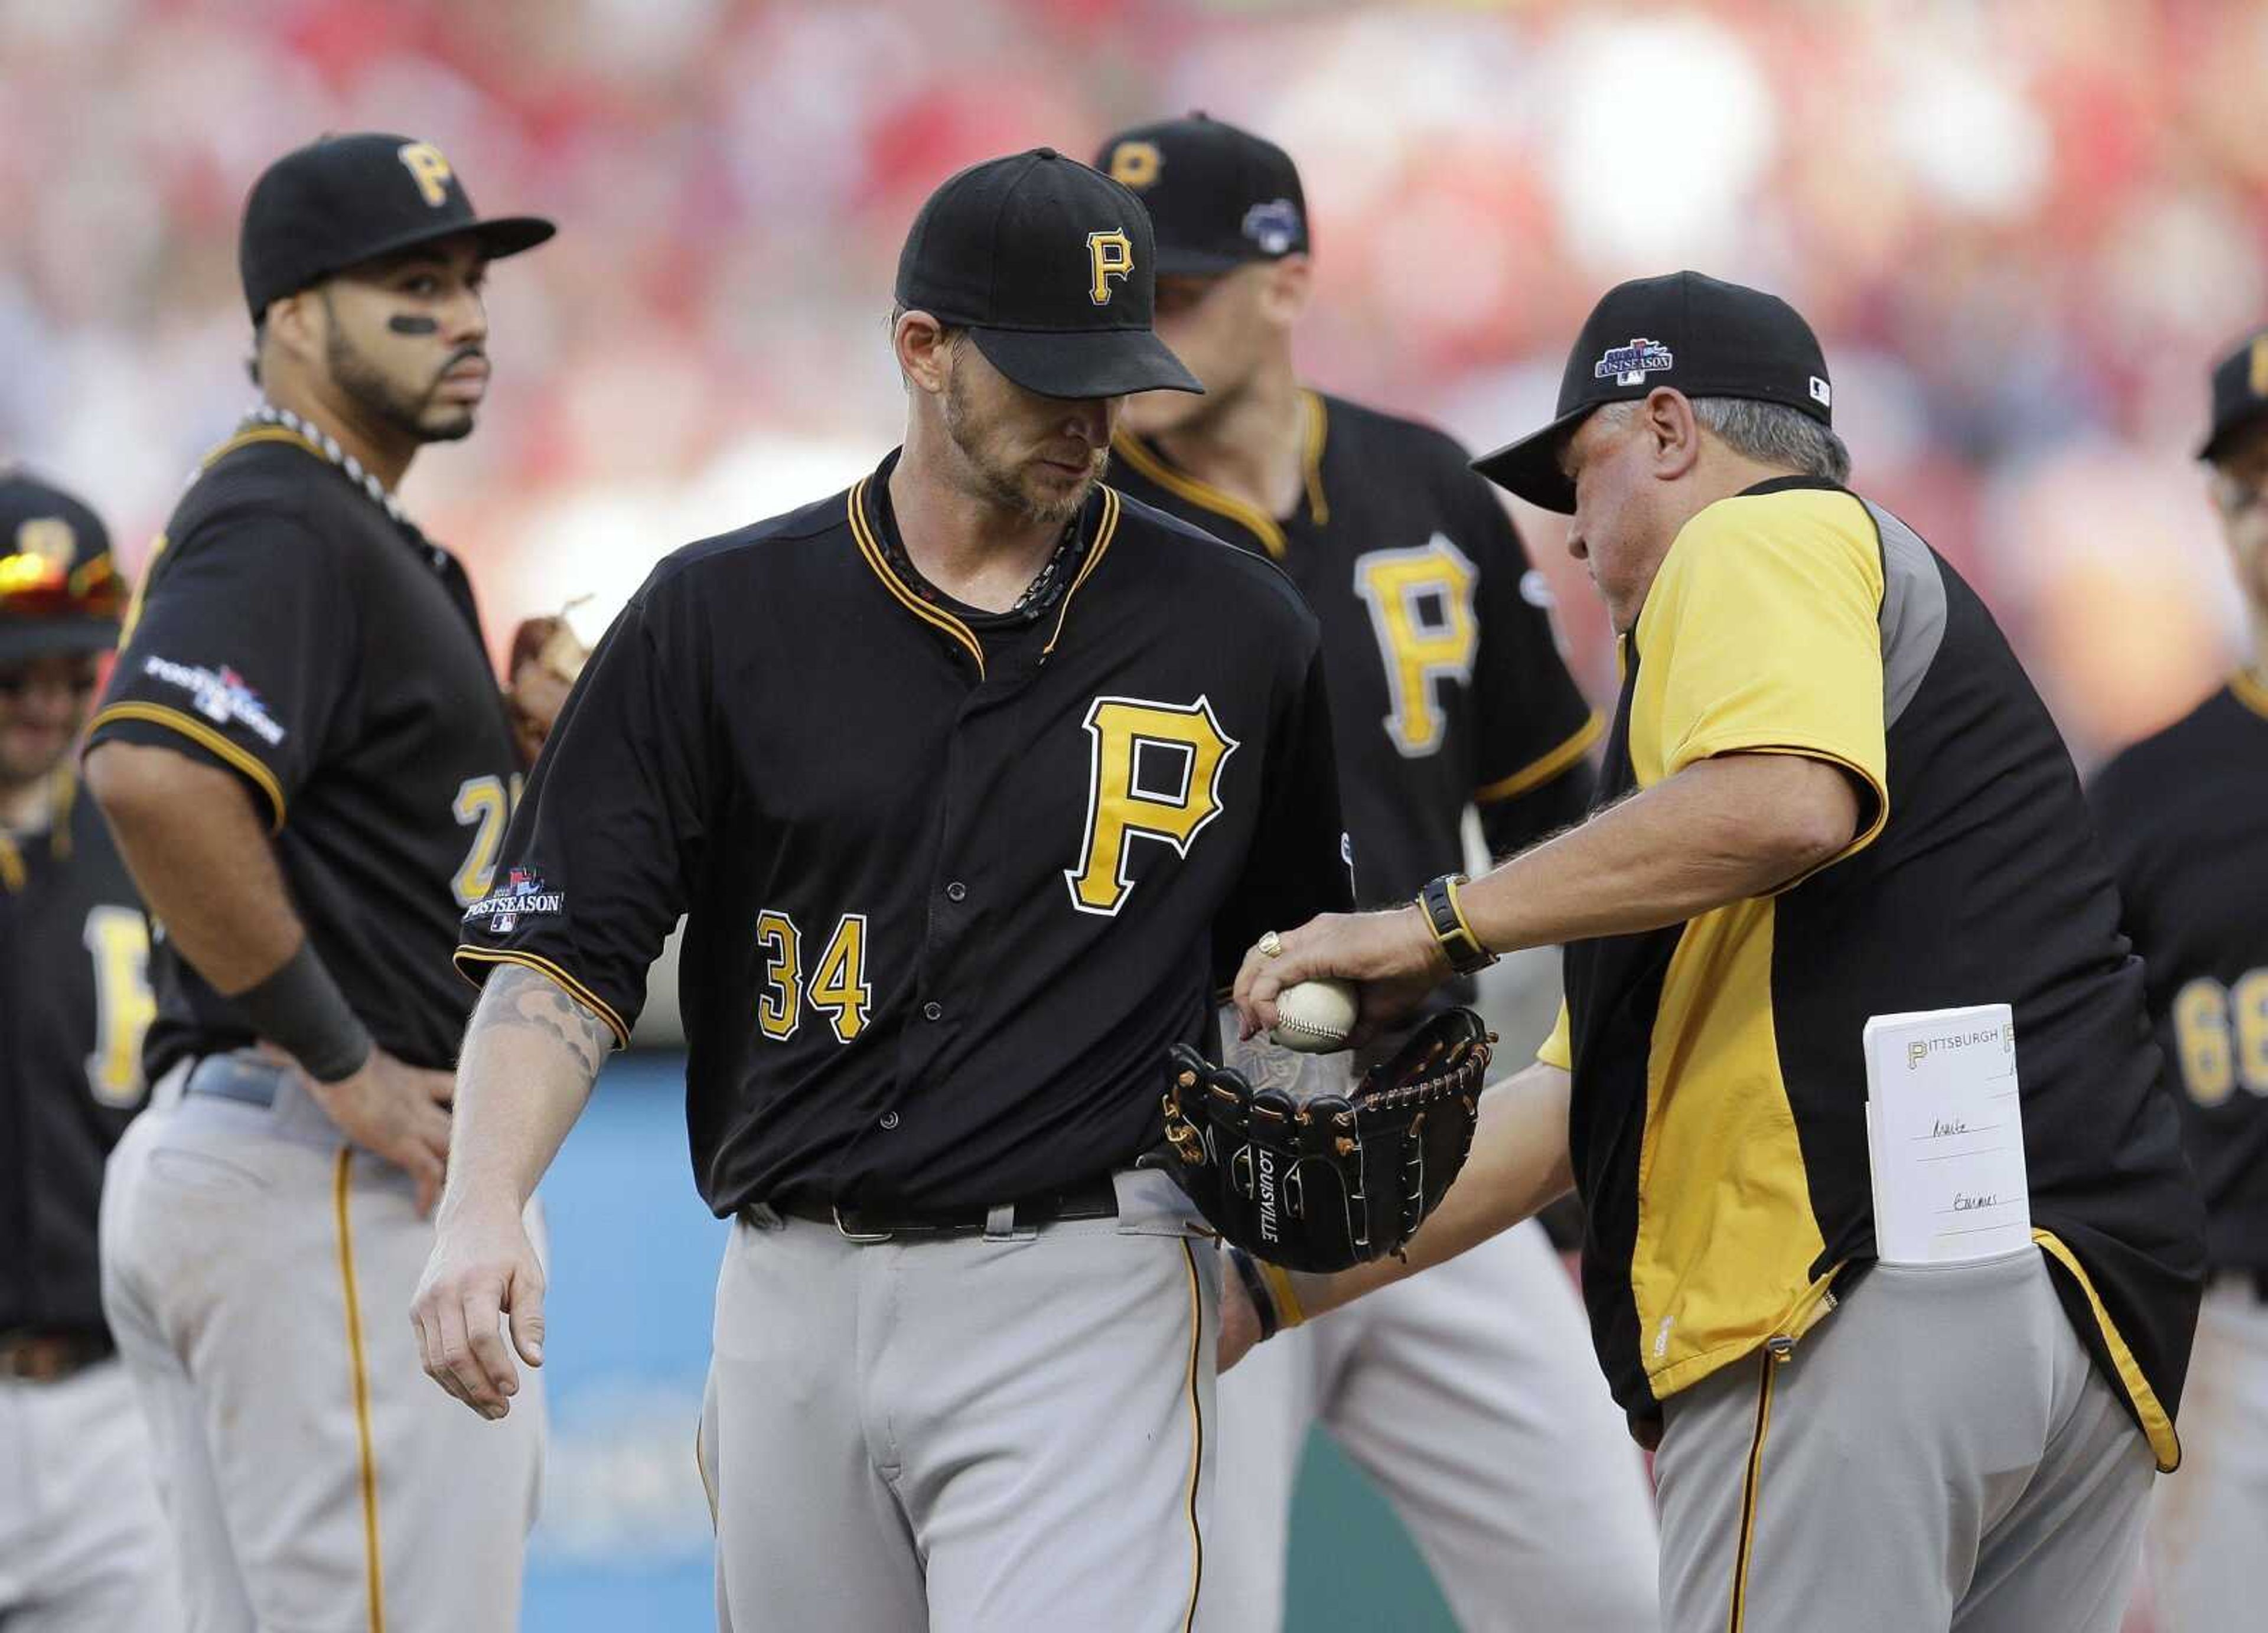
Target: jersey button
{"points": [[956, 892], [933, 1011], [890, 1120]]}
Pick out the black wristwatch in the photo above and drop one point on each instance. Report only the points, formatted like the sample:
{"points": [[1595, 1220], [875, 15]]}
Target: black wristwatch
{"points": [[1463, 949]]}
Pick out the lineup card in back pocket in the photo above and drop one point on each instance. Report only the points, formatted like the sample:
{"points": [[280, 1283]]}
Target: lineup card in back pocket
{"points": [[1945, 1136]]}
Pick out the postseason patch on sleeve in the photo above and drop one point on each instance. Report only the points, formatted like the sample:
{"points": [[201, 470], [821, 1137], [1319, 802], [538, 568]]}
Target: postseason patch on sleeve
{"points": [[219, 695], [523, 894]]}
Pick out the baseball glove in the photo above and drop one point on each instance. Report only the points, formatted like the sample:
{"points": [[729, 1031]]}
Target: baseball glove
{"points": [[547, 657], [1321, 1184]]}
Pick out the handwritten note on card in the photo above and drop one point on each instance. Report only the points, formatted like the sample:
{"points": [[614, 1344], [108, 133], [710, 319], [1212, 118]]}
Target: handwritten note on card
{"points": [[1944, 1133]]}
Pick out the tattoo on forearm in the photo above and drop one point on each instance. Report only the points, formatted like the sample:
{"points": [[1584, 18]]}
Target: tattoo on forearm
{"points": [[529, 1000]]}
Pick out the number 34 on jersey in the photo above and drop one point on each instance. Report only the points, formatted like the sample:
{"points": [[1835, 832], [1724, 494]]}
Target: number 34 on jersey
{"points": [[1153, 775]]}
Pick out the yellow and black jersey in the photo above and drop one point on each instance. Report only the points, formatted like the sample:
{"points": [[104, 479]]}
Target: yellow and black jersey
{"points": [[2184, 815], [954, 884], [1447, 686], [1719, 1113], [74, 999], [288, 629]]}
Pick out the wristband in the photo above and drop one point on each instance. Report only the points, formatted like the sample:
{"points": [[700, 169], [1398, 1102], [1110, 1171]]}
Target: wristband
{"points": [[300, 1009], [1269, 1286], [1445, 915], [1263, 1305]]}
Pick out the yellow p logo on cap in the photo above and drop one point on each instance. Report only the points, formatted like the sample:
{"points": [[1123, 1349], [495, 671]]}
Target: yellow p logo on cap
{"points": [[431, 170], [1111, 254]]}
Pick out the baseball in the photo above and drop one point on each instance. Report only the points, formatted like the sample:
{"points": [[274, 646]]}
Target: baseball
{"points": [[1314, 1017]]}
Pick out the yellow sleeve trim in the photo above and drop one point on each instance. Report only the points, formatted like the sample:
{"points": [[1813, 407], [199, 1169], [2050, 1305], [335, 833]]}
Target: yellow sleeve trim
{"points": [[12, 865], [1826, 756], [237, 757], [2157, 1427], [1543, 768], [575, 989], [1204, 495]]}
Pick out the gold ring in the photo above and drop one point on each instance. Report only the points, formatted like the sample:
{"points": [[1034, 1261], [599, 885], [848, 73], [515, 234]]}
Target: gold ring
{"points": [[1271, 945]]}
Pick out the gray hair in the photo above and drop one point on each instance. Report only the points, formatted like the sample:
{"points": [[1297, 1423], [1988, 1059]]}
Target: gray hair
{"points": [[1769, 433]]}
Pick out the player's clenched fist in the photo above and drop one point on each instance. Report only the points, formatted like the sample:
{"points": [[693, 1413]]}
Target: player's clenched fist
{"points": [[483, 1269]]}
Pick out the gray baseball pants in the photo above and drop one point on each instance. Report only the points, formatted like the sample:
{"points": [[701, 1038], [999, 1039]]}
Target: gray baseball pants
{"points": [[964, 1435], [1937, 1453]]}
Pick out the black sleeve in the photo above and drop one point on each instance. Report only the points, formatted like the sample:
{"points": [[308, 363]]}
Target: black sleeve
{"points": [[2121, 828], [1301, 863], [1534, 728], [598, 862], [240, 652]]}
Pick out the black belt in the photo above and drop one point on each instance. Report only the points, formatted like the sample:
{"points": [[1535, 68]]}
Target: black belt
{"points": [[46, 1356], [1091, 1199]]}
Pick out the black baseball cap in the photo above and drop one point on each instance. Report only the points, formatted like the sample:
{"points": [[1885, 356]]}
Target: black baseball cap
{"points": [[1703, 336], [347, 199], [59, 589], [1218, 196], [2240, 394], [1051, 269]]}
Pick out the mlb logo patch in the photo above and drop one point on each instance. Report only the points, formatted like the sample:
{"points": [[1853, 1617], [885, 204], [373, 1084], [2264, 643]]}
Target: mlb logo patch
{"points": [[1274, 225], [1629, 366]]}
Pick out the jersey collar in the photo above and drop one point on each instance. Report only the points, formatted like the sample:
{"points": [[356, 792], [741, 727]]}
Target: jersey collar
{"points": [[2251, 689], [1150, 462], [873, 528]]}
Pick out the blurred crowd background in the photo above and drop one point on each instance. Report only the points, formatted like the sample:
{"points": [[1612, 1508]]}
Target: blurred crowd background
{"points": [[2023, 228]]}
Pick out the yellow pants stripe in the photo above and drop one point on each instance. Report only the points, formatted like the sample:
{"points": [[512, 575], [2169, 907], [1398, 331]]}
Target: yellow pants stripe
{"points": [[1196, 1434], [1738, 1616], [372, 1566]]}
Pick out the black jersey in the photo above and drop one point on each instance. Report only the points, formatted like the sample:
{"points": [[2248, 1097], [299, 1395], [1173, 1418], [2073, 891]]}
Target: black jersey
{"points": [[289, 630], [951, 895], [1718, 1127], [1447, 686], [74, 999], [2184, 815]]}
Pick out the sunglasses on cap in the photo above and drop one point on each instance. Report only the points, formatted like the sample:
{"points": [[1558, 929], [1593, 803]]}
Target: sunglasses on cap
{"points": [[33, 585]]}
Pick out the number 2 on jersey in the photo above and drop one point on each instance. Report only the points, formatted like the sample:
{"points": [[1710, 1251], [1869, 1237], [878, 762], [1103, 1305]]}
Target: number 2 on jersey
{"points": [[838, 981], [483, 804]]}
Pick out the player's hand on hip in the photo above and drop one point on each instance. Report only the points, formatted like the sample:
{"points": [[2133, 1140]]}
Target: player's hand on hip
{"points": [[398, 1112], [1392, 955], [483, 1269]]}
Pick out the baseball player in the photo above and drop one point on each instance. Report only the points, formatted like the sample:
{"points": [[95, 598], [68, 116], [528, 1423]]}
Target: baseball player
{"points": [[309, 768], [1469, 1396], [1832, 795], [966, 776], [2184, 815], [83, 1546]]}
